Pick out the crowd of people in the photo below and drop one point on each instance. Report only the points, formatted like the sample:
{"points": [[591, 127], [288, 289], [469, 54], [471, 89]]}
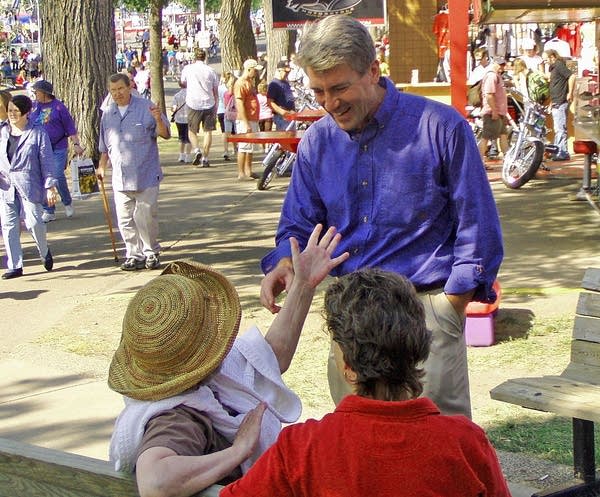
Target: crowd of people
{"points": [[240, 101], [20, 66], [538, 75]]}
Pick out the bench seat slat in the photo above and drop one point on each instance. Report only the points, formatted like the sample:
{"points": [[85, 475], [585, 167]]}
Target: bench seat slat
{"points": [[13, 485], [563, 396], [33, 471], [66, 475]]}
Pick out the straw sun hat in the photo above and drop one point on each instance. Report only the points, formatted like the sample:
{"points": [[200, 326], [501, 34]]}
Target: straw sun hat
{"points": [[177, 330]]}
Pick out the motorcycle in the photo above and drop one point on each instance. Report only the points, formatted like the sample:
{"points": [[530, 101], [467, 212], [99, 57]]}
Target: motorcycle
{"points": [[278, 161], [528, 143]]}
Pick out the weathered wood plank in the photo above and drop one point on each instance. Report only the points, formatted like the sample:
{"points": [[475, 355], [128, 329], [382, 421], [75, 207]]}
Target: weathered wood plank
{"points": [[587, 328], [591, 279], [584, 352], [26, 486], [31, 471], [38, 469], [555, 394], [588, 304], [583, 373]]}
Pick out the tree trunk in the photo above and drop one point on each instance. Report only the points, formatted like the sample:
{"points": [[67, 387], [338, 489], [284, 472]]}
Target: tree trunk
{"points": [[156, 64], [78, 52], [237, 39], [280, 42]]}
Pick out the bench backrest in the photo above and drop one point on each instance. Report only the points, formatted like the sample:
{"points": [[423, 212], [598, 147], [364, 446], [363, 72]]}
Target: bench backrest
{"points": [[585, 347], [31, 471]]}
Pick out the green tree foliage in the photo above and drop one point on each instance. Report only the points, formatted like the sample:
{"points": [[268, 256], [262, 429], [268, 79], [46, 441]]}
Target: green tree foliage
{"points": [[155, 23], [143, 5], [139, 5]]}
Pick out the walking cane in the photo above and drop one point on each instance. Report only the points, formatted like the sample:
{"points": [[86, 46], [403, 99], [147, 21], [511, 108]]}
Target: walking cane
{"points": [[108, 218]]}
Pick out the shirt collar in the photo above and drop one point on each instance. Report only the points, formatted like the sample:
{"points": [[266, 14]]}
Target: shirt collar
{"points": [[402, 409], [384, 113]]}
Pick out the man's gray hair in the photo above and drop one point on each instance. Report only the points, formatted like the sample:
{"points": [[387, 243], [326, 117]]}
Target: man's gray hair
{"points": [[119, 76], [335, 40]]}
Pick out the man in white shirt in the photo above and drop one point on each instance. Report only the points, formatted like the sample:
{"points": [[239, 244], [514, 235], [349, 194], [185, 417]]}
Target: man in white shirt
{"points": [[202, 85], [530, 56], [482, 61], [561, 46], [142, 81]]}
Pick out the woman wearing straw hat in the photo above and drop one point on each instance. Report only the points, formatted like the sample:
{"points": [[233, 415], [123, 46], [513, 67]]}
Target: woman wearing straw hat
{"points": [[200, 404]]}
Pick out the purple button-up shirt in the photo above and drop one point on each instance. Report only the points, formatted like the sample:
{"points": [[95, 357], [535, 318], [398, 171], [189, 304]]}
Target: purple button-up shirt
{"points": [[408, 194], [130, 141]]}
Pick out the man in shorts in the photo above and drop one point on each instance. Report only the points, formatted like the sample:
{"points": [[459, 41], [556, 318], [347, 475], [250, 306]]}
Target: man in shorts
{"points": [[202, 85], [494, 107], [246, 103]]}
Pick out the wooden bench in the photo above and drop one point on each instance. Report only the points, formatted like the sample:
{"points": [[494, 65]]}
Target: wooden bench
{"points": [[32, 471], [575, 393]]}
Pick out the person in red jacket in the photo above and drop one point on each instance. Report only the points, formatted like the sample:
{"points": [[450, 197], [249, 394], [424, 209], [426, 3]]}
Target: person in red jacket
{"points": [[382, 439]]}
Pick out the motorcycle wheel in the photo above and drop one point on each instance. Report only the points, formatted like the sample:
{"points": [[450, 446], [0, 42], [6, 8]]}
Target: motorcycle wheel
{"points": [[520, 166], [269, 171]]}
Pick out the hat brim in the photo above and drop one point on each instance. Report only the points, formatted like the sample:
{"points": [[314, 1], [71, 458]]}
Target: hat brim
{"points": [[132, 379], [44, 90]]}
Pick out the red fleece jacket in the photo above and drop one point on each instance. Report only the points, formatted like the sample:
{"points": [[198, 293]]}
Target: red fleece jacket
{"points": [[371, 447]]}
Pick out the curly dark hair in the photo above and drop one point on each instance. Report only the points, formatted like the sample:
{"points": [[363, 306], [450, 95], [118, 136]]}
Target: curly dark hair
{"points": [[378, 322]]}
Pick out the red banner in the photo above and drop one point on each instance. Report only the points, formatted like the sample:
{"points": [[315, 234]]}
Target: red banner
{"points": [[459, 24]]}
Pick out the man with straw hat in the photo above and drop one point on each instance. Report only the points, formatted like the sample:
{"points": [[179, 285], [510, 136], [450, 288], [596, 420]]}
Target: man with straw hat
{"points": [[200, 404]]}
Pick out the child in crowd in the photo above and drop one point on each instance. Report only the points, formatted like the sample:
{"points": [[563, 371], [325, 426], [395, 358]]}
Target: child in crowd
{"points": [[265, 117], [225, 77], [229, 116], [180, 117]]}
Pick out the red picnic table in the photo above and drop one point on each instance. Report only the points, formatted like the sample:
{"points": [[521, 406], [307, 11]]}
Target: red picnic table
{"points": [[287, 139], [306, 115]]}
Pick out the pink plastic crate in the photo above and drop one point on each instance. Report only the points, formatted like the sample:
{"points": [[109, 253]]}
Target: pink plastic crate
{"points": [[479, 330]]}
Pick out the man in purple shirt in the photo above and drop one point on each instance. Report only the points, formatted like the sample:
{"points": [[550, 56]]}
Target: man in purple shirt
{"points": [[128, 132], [401, 178]]}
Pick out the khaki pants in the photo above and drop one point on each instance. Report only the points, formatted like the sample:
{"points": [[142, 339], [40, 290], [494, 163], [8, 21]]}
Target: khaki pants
{"points": [[137, 214], [446, 379]]}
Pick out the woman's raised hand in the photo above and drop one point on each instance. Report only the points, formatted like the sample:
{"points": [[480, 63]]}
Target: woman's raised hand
{"points": [[315, 262]]}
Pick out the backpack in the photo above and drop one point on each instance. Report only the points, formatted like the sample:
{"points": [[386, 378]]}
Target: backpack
{"points": [[230, 110], [538, 87], [474, 94]]}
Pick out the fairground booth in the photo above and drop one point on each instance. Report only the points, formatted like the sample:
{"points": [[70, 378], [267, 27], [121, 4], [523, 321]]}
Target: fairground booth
{"points": [[435, 40]]}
